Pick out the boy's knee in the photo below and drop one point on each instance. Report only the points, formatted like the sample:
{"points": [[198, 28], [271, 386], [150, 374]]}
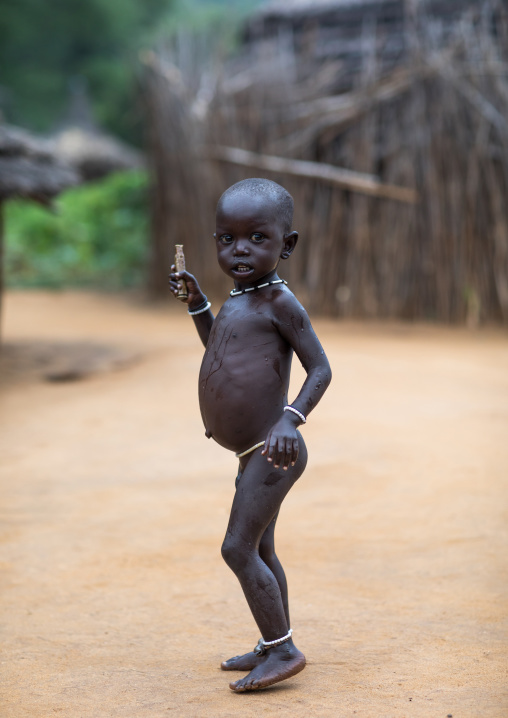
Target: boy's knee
{"points": [[233, 554]]}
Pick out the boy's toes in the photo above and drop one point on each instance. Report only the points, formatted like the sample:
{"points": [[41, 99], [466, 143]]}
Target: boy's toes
{"points": [[241, 663], [249, 683], [236, 686], [230, 664]]}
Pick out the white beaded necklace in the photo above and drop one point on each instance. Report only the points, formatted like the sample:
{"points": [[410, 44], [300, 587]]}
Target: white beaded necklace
{"points": [[237, 292]]}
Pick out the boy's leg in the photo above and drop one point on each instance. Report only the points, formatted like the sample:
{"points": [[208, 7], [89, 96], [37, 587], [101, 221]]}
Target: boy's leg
{"points": [[250, 660], [256, 503], [268, 555]]}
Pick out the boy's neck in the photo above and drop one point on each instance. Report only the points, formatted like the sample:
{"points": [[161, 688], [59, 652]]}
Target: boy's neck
{"points": [[270, 277]]}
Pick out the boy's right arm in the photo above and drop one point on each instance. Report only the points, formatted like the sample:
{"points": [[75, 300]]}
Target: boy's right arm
{"points": [[195, 300]]}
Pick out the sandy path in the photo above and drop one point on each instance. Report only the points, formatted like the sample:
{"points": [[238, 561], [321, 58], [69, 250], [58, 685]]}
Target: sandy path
{"points": [[115, 601]]}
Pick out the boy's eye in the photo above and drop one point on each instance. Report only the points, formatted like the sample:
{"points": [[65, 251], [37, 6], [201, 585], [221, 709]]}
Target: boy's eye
{"points": [[225, 238], [257, 237]]}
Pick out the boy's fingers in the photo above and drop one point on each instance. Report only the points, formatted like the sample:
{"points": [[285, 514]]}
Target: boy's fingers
{"points": [[274, 451], [281, 451], [175, 276], [288, 454], [295, 451], [271, 449]]}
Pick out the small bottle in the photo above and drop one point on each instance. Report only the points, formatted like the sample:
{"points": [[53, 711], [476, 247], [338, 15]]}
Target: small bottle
{"points": [[180, 267]]}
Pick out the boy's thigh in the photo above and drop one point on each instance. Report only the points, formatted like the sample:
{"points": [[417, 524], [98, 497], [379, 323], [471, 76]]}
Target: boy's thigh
{"points": [[261, 490]]}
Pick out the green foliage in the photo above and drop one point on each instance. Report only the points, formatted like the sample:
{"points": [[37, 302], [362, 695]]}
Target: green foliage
{"points": [[221, 18], [45, 46], [96, 237]]}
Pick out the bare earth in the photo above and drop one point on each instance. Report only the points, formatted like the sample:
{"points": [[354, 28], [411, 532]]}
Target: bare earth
{"points": [[115, 601]]}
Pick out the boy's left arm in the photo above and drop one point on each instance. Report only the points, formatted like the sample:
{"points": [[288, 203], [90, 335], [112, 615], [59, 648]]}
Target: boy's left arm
{"points": [[293, 323]]}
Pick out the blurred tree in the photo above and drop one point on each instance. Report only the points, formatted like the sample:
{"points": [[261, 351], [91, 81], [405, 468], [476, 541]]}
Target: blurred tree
{"points": [[43, 46], [47, 47]]}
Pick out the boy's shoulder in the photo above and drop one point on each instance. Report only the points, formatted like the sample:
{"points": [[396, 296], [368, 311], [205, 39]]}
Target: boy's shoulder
{"points": [[284, 303]]}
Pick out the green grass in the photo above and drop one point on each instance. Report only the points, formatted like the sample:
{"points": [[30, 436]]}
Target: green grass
{"points": [[96, 237]]}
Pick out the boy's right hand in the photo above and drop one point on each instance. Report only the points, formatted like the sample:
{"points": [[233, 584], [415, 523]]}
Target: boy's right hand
{"points": [[195, 296]]}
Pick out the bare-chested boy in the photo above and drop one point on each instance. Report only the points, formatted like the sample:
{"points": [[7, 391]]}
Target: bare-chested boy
{"points": [[243, 387]]}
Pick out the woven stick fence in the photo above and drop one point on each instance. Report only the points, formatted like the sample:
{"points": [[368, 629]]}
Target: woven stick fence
{"points": [[400, 183]]}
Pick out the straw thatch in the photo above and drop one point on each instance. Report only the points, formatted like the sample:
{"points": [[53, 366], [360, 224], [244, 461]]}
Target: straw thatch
{"points": [[29, 167], [94, 154], [431, 127], [338, 30]]}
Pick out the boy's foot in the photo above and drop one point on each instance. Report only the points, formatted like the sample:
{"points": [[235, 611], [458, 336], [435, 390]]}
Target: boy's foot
{"points": [[279, 663], [242, 663]]}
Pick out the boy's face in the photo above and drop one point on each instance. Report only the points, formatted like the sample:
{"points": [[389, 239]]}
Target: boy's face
{"points": [[250, 238]]}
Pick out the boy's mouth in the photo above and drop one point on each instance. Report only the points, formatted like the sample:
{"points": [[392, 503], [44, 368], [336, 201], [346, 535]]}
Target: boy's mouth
{"points": [[242, 268]]}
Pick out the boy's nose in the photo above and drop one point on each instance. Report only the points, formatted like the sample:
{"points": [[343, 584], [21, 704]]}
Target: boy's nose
{"points": [[241, 247]]}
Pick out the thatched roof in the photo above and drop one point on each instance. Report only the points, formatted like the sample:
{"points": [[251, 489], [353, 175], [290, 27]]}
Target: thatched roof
{"points": [[36, 168], [315, 7], [29, 167], [93, 153], [338, 31], [338, 19], [289, 7]]}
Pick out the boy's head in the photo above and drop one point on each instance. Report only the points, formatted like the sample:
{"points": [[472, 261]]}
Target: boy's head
{"points": [[253, 229], [272, 192]]}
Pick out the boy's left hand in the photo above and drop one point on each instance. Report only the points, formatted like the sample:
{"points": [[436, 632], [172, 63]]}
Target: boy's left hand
{"points": [[281, 445]]}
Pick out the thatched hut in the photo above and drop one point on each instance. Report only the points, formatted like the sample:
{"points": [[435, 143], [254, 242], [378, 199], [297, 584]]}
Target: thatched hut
{"points": [[94, 153], [329, 29], [40, 168], [29, 169], [397, 159]]}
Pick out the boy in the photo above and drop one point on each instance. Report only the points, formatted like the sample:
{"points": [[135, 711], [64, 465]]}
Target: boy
{"points": [[243, 386]]}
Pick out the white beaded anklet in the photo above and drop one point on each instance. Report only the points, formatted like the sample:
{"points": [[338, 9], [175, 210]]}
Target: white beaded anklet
{"points": [[200, 311], [262, 645], [295, 411], [269, 644]]}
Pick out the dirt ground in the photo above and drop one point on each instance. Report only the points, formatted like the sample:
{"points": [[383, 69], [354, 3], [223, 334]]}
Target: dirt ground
{"points": [[115, 600]]}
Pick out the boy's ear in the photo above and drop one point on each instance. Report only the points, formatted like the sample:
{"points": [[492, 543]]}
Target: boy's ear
{"points": [[290, 241]]}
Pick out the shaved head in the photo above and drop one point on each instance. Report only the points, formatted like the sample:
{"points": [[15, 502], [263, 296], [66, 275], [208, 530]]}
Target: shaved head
{"points": [[260, 187]]}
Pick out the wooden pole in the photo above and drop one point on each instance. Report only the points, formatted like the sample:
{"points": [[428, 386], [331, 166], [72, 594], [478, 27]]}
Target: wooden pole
{"points": [[347, 179], [1, 265]]}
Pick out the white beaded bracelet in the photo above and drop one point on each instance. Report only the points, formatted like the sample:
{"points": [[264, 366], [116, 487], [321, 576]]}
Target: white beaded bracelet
{"points": [[200, 311], [295, 411]]}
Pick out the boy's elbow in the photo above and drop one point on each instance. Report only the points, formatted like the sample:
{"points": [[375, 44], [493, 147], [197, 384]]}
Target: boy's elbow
{"points": [[325, 373]]}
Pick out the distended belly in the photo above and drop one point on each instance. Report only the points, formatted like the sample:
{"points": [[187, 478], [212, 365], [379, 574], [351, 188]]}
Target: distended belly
{"points": [[239, 406]]}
